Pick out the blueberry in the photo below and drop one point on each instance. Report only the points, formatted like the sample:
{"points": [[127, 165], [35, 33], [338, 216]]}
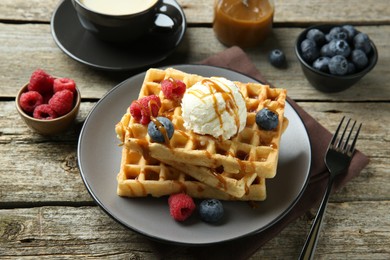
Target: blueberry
{"points": [[351, 68], [362, 41], [342, 36], [337, 33], [309, 50], [338, 65], [267, 119], [211, 210], [351, 31], [359, 58], [277, 58], [339, 47], [156, 133], [325, 51], [321, 64], [316, 35]]}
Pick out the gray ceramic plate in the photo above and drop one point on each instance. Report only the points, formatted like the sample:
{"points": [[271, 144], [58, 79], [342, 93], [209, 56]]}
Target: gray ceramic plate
{"points": [[83, 47], [99, 159]]}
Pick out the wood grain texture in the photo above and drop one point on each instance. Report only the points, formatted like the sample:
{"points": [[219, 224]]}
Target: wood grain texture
{"points": [[25, 47], [51, 174], [47, 213], [201, 11], [66, 232]]}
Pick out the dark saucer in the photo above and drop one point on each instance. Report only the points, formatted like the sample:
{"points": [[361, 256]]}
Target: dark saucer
{"points": [[82, 46]]}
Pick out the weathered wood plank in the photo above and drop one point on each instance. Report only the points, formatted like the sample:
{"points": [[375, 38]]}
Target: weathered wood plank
{"points": [[44, 170], [23, 48], [372, 141], [41, 186], [65, 232], [304, 12], [201, 11], [345, 235], [44, 173], [204, 44], [34, 10], [39, 169], [57, 232]]}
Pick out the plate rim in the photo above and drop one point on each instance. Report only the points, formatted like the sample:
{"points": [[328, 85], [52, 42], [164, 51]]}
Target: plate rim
{"points": [[107, 67], [155, 237]]}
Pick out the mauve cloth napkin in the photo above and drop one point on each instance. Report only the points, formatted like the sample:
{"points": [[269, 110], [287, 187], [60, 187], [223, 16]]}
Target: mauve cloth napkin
{"points": [[235, 58]]}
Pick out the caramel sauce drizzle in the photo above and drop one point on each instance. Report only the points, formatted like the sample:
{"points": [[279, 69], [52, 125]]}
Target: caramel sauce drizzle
{"points": [[246, 189], [142, 187], [218, 174], [160, 126], [183, 187], [162, 129], [222, 181], [199, 188], [199, 94], [174, 82], [184, 134], [231, 106]]}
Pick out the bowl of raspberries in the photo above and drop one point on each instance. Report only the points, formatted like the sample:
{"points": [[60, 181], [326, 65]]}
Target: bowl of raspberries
{"points": [[335, 57], [48, 104]]}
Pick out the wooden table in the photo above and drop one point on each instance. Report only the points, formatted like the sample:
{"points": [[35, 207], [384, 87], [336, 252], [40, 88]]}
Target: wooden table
{"points": [[45, 209]]}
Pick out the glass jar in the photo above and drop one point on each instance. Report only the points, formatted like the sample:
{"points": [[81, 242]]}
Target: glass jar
{"points": [[245, 23]]}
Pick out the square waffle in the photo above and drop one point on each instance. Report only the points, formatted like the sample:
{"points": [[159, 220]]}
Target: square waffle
{"points": [[140, 177], [228, 165]]}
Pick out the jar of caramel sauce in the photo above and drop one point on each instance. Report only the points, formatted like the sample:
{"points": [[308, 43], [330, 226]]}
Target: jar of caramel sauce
{"points": [[245, 23]]}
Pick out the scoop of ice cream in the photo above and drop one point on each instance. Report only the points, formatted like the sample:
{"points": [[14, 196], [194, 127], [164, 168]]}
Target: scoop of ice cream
{"points": [[214, 106]]}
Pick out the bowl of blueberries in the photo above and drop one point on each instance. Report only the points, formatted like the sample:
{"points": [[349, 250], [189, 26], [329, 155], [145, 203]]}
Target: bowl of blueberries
{"points": [[335, 57]]}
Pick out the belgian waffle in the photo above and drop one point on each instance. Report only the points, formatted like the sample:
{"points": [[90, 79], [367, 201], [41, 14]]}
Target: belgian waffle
{"points": [[228, 165], [140, 177]]}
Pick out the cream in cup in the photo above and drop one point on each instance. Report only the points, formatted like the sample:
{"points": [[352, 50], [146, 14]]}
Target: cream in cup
{"points": [[124, 20]]}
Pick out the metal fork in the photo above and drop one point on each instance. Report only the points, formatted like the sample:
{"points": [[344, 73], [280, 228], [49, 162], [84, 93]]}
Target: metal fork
{"points": [[337, 160]]}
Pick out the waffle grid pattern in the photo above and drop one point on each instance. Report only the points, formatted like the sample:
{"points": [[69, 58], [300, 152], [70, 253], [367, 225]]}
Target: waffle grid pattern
{"points": [[139, 177], [230, 166]]}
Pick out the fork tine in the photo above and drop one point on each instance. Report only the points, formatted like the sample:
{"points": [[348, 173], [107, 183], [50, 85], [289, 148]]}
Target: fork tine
{"points": [[337, 160], [349, 136], [342, 136], [352, 148], [334, 138]]}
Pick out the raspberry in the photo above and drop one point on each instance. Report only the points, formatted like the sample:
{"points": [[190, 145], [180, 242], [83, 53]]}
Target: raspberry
{"points": [[41, 82], [62, 102], [64, 83], [47, 97], [181, 206], [142, 109], [30, 100], [44, 112], [173, 89]]}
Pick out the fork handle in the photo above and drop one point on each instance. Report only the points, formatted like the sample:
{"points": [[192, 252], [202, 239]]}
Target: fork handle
{"points": [[311, 241]]}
